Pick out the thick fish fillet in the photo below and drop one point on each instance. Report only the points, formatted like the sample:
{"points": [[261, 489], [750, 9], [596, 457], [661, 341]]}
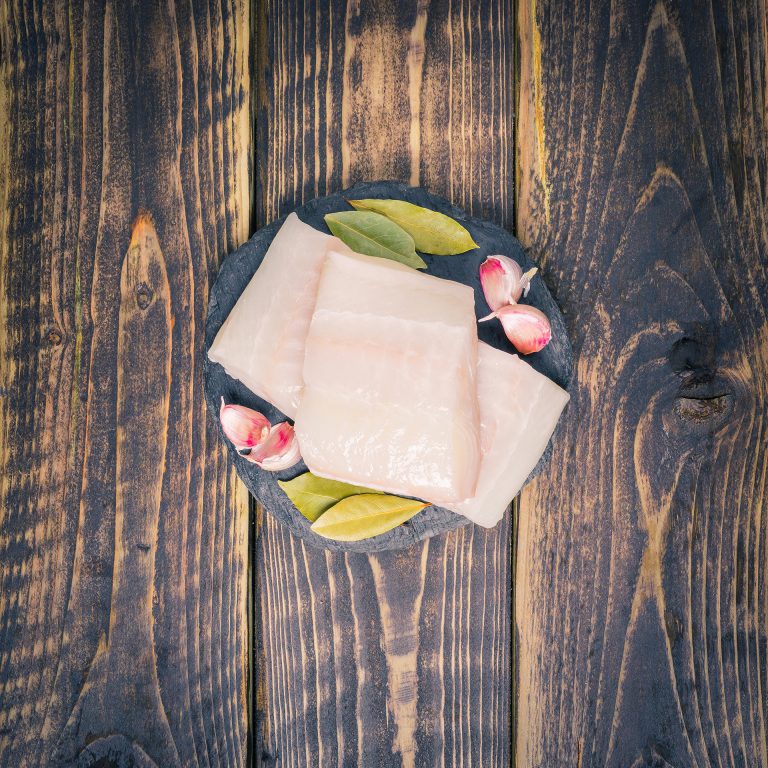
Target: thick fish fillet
{"points": [[390, 380], [519, 408], [262, 341]]}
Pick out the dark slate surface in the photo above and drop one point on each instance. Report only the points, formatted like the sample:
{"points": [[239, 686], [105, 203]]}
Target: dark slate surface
{"points": [[555, 360]]}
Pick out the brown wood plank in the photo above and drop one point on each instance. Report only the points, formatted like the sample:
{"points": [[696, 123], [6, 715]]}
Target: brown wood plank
{"points": [[123, 530], [388, 659], [641, 599], [412, 91], [398, 658]]}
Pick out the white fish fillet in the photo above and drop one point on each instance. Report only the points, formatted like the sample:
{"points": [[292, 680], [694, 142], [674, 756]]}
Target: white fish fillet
{"points": [[390, 380], [262, 340], [394, 375], [519, 409]]}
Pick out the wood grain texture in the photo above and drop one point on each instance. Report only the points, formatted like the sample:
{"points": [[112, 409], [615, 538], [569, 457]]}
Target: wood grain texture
{"points": [[125, 133], [642, 602], [397, 658], [415, 91]]}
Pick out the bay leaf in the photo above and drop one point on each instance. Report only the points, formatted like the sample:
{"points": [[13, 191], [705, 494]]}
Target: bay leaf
{"points": [[364, 516], [375, 235], [432, 232], [313, 495]]}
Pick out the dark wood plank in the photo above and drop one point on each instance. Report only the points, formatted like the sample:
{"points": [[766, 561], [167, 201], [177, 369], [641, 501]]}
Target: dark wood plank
{"points": [[413, 91], [398, 658], [642, 602], [123, 530]]}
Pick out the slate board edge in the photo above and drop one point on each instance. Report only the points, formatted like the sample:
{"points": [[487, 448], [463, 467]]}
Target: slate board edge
{"points": [[556, 360]]}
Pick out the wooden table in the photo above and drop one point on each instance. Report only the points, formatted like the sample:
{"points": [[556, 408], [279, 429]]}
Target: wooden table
{"points": [[626, 144]]}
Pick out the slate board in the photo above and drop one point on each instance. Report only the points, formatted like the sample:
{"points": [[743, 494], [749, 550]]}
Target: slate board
{"points": [[555, 360]]}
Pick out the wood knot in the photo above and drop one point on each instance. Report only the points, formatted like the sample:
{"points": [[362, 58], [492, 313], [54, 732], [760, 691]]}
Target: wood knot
{"points": [[701, 409], [694, 355], [703, 398], [144, 295], [54, 337], [704, 395]]}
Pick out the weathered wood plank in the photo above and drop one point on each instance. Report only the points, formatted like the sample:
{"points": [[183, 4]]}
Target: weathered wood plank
{"points": [[642, 602], [123, 531], [399, 658], [413, 91], [396, 658]]}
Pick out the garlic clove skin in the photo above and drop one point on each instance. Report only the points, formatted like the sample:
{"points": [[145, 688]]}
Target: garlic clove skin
{"points": [[525, 281], [503, 281], [279, 451], [526, 327], [244, 427]]}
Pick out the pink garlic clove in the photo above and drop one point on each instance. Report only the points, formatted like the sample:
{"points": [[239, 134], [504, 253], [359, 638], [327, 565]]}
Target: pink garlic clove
{"points": [[244, 427], [503, 281], [279, 451], [526, 327], [499, 276]]}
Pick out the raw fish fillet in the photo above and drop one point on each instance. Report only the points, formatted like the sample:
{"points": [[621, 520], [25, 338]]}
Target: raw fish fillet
{"points": [[519, 408], [390, 381], [262, 340]]}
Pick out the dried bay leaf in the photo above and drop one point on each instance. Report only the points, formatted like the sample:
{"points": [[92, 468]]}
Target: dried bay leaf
{"points": [[313, 495], [366, 515], [432, 232], [375, 235]]}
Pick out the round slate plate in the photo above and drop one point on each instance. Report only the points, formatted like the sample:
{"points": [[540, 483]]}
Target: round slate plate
{"points": [[555, 360]]}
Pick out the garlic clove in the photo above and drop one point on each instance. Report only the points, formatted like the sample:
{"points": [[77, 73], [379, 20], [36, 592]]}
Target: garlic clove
{"points": [[499, 278], [244, 427], [503, 281], [526, 327], [279, 451]]}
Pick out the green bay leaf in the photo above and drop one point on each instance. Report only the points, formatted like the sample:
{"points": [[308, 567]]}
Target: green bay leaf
{"points": [[432, 232], [375, 235], [364, 516], [313, 495]]}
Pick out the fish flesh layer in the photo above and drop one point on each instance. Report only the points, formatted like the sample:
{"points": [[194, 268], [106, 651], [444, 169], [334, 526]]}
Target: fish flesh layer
{"points": [[519, 409], [390, 398], [261, 342]]}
